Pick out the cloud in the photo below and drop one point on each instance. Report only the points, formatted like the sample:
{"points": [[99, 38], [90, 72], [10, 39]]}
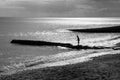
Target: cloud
{"points": [[60, 8], [38, 8], [8, 4], [55, 7]]}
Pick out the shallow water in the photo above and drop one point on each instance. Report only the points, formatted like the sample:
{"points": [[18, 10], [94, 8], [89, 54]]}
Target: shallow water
{"points": [[54, 30]]}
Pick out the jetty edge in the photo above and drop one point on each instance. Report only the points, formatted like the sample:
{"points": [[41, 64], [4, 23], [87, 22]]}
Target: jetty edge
{"points": [[39, 43]]}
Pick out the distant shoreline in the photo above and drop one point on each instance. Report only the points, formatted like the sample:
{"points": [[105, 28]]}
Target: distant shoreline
{"points": [[113, 29]]}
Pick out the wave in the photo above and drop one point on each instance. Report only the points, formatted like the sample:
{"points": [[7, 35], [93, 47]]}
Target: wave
{"points": [[106, 43], [114, 38]]}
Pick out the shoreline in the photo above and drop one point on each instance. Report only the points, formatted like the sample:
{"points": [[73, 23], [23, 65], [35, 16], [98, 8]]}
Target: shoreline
{"points": [[100, 68], [63, 59], [71, 57]]}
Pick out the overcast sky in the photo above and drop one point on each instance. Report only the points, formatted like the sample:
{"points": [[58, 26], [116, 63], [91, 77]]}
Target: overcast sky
{"points": [[59, 8]]}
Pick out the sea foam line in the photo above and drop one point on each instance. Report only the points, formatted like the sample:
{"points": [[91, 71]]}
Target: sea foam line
{"points": [[73, 60]]}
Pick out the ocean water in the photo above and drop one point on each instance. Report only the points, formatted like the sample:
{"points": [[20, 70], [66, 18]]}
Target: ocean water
{"points": [[54, 30]]}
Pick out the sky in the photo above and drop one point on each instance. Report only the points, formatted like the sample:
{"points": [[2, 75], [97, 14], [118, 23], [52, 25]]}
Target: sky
{"points": [[59, 8]]}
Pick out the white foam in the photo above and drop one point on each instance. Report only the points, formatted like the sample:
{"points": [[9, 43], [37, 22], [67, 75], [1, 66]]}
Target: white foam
{"points": [[73, 58]]}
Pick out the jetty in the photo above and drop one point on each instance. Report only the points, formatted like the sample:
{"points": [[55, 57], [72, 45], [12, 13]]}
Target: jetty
{"points": [[45, 43]]}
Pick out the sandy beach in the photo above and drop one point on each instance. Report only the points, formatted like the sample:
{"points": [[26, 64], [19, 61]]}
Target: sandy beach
{"points": [[62, 62]]}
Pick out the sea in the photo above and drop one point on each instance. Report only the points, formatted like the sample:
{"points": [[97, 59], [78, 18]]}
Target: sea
{"points": [[51, 30]]}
